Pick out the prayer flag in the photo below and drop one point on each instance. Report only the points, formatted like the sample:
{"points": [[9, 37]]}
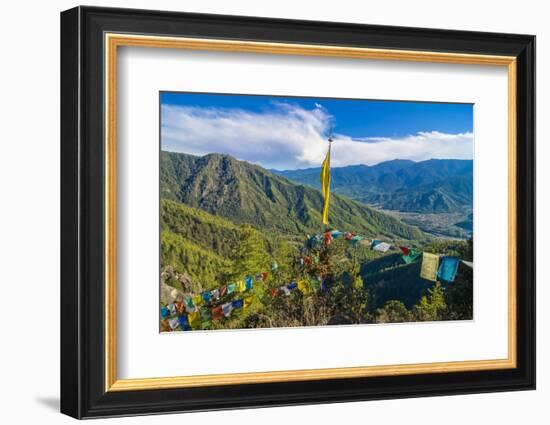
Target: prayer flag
{"points": [[381, 247], [216, 294], [348, 236], [184, 322], [223, 291], [258, 277], [284, 290], [180, 307], [265, 275], [164, 312], [325, 185], [430, 263], [328, 238], [248, 301], [189, 303], [448, 268], [227, 309], [274, 267], [303, 287], [197, 300], [336, 233], [468, 263], [206, 296], [404, 249], [249, 282], [195, 320], [274, 292], [356, 239], [374, 243], [172, 308], [174, 322], [411, 256], [292, 286], [217, 313], [238, 303], [206, 316], [241, 286], [324, 285], [231, 288]]}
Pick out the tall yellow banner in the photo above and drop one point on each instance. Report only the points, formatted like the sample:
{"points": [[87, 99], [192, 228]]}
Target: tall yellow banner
{"points": [[325, 185]]}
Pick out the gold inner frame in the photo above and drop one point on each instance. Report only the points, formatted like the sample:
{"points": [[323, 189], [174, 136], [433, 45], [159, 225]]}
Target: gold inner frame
{"points": [[113, 41]]}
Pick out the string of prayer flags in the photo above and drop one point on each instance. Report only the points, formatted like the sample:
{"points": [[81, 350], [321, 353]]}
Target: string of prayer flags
{"points": [[412, 254], [430, 263], [468, 263], [381, 247], [448, 267]]}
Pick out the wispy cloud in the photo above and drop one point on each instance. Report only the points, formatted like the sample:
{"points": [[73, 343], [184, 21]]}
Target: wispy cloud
{"points": [[288, 136]]}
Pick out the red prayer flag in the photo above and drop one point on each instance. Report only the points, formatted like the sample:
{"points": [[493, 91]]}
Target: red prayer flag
{"points": [[405, 250], [265, 275], [223, 290], [217, 313], [274, 292]]}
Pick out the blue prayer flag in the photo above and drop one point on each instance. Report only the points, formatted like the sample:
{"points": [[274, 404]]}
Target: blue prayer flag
{"points": [[238, 303], [448, 267], [206, 296], [164, 312], [184, 323], [292, 286], [374, 243], [249, 282]]}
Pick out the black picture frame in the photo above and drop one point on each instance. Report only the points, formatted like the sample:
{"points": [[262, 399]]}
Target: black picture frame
{"points": [[83, 392]]}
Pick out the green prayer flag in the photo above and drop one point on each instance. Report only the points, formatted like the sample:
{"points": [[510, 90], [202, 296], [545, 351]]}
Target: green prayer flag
{"points": [[411, 256]]}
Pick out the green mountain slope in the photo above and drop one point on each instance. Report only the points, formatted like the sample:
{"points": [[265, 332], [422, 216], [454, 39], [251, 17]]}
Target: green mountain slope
{"points": [[247, 193], [433, 186]]}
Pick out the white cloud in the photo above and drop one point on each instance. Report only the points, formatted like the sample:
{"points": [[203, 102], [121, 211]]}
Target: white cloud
{"points": [[288, 136]]}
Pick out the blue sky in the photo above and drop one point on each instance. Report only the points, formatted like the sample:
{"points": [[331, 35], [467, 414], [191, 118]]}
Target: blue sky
{"points": [[290, 132]]}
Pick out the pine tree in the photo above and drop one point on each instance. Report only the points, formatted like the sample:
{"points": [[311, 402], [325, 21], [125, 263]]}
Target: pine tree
{"points": [[250, 255], [431, 307]]}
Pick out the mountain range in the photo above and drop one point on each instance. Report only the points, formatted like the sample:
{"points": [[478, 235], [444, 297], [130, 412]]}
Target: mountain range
{"points": [[246, 193], [432, 186]]}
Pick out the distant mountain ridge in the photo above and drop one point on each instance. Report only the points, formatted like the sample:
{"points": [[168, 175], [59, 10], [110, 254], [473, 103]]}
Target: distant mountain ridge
{"points": [[431, 186], [247, 193]]}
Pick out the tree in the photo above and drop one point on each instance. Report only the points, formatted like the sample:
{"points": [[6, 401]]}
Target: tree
{"points": [[431, 307], [250, 254]]}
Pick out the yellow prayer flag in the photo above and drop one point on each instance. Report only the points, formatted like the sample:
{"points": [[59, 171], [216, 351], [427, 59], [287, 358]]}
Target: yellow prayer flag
{"points": [[248, 301], [241, 286], [303, 287], [325, 185], [195, 320], [430, 263], [197, 300]]}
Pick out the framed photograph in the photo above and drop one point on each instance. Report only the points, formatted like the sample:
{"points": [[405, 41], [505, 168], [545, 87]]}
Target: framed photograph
{"points": [[261, 212]]}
